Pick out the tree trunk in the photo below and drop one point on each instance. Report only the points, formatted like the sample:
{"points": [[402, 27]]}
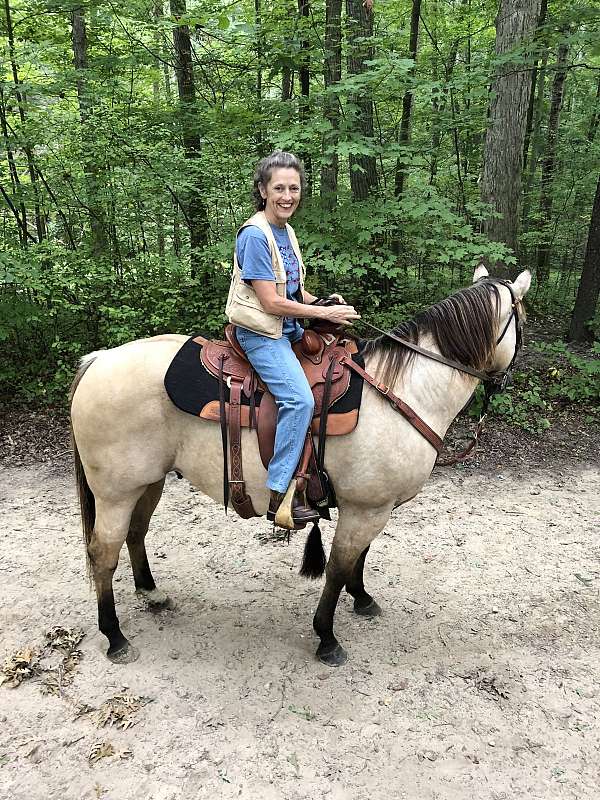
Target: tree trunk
{"points": [[304, 76], [195, 208], [157, 13], [287, 82], [589, 284], [259, 75], [591, 135], [404, 134], [503, 153], [331, 105], [20, 211], [549, 163], [21, 103], [97, 215], [534, 77], [536, 140], [363, 168]]}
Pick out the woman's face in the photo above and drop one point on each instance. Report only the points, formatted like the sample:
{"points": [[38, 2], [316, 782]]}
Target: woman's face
{"points": [[282, 194]]}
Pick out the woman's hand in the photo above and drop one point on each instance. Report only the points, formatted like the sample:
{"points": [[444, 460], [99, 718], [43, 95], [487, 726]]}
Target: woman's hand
{"points": [[339, 314]]}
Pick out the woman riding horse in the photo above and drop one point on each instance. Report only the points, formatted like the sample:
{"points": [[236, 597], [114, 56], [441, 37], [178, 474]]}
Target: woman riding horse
{"points": [[266, 301]]}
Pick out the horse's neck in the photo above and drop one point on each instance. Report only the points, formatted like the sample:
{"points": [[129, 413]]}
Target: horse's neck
{"points": [[436, 392]]}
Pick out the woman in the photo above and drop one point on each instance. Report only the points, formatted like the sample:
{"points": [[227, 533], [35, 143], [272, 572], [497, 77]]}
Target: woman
{"points": [[266, 300]]}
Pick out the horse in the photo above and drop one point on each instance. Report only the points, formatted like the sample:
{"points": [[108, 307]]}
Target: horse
{"points": [[127, 435]]}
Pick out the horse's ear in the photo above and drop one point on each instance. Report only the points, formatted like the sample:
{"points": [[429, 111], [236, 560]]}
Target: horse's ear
{"points": [[521, 284], [480, 272]]}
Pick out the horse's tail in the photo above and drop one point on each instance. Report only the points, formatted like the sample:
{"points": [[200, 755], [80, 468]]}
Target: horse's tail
{"points": [[313, 561], [87, 501]]}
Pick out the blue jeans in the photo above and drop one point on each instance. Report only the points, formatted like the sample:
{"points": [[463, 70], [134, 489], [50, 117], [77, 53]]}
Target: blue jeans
{"points": [[277, 365]]}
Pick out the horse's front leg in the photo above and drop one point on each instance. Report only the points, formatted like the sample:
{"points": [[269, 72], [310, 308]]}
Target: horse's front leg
{"points": [[356, 529], [364, 604]]}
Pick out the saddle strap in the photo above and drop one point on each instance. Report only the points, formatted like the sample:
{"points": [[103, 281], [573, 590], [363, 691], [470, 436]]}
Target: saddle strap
{"points": [[323, 419], [223, 420], [398, 405], [237, 486]]}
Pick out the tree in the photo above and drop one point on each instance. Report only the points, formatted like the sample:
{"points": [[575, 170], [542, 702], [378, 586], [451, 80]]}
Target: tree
{"points": [[304, 76], [91, 168], [331, 104], [589, 284], [549, 162], [505, 135], [359, 32], [404, 134], [196, 212]]}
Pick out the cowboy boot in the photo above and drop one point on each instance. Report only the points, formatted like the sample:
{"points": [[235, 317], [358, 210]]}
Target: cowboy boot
{"points": [[301, 514]]}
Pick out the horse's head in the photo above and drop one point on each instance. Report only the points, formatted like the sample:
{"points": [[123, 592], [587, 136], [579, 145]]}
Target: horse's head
{"points": [[511, 316]]}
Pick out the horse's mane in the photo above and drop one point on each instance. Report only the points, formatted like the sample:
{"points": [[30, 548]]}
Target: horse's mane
{"points": [[464, 326]]}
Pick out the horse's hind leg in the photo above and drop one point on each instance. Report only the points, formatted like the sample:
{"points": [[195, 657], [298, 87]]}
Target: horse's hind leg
{"points": [[364, 604], [110, 531], [136, 544]]}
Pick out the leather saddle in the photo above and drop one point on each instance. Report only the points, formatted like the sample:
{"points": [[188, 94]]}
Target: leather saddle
{"points": [[322, 353], [318, 352]]}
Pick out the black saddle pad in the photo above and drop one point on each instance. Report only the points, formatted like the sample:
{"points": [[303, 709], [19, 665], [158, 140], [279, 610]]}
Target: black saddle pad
{"points": [[190, 386]]}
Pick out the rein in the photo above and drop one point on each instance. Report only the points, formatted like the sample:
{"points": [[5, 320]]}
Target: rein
{"points": [[493, 383]]}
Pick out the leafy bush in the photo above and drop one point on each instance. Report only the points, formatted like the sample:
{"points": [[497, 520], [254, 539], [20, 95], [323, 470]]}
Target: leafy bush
{"points": [[563, 379], [572, 378], [56, 306]]}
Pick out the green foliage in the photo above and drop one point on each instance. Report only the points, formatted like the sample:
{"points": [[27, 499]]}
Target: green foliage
{"points": [[56, 306], [561, 379], [107, 144], [522, 404], [572, 378]]}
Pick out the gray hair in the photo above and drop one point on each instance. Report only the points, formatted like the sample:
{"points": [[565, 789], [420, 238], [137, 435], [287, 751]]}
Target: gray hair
{"points": [[278, 159]]}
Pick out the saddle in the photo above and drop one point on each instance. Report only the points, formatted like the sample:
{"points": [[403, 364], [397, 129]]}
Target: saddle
{"points": [[322, 353]]}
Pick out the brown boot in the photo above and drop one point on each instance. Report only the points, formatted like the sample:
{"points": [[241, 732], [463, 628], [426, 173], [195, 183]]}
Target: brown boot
{"points": [[301, 514]]}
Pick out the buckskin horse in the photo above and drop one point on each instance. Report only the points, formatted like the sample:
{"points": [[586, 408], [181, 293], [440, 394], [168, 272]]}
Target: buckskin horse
{"points": [[128, 435]]}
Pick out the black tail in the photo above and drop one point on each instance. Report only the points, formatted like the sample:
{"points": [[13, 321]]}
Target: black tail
{"points": [[313, 561], [87, 501], [87, 504]]}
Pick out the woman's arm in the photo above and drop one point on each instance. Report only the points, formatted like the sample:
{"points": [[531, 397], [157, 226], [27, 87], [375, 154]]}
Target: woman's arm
{"points": [[282, 307]]}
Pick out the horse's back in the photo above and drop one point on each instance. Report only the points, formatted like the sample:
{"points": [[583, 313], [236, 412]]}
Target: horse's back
{"points": [[120, 409]]}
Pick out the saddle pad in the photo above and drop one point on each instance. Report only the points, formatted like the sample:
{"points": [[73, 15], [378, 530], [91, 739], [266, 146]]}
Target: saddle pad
{"points": [[194, 390]]}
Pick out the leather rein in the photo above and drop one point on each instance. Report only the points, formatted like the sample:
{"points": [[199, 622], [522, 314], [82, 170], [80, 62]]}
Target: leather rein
{"points": [[493, 382]]}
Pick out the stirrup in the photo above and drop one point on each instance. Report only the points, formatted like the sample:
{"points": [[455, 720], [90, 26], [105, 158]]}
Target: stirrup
{"points": [[283, 515]]}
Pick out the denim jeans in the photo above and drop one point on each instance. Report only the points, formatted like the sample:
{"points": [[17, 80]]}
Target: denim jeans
{"points": [[276, 364]]}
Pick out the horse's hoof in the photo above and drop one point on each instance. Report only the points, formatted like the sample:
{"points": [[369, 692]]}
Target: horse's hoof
{"points": [[156, 599], [370, 610], [332, 656], [126, 654]]}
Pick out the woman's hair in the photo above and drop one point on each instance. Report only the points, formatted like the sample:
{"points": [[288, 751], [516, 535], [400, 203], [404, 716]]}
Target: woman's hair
{"points": [[278, 159]]}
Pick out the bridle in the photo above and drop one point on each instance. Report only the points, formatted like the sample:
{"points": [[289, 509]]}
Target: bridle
{"points": [[493, 382]]}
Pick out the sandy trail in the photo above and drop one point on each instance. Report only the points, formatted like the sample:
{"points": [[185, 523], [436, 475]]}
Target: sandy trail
{"points": [[479, 681]]}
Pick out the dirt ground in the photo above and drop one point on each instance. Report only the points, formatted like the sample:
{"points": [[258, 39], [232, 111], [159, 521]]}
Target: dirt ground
{"points": [[479, 681]]}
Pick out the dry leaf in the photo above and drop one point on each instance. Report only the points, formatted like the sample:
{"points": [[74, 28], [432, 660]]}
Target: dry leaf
{"points": [[119, 710], [100, 750], [19, 667], [65, 639]]}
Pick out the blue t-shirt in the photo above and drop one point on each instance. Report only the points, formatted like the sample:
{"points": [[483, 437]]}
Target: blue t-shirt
{"points": [[254, 258]]}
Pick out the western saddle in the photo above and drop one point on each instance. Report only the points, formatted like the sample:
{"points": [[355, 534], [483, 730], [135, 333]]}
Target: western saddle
{"points": [[322, 352]]}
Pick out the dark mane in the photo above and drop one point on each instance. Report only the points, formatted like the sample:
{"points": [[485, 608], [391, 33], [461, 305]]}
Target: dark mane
{"points": [[464, 326]]}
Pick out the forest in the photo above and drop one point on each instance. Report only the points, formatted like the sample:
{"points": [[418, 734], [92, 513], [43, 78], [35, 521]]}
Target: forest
{"points": [[435, 133]]}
